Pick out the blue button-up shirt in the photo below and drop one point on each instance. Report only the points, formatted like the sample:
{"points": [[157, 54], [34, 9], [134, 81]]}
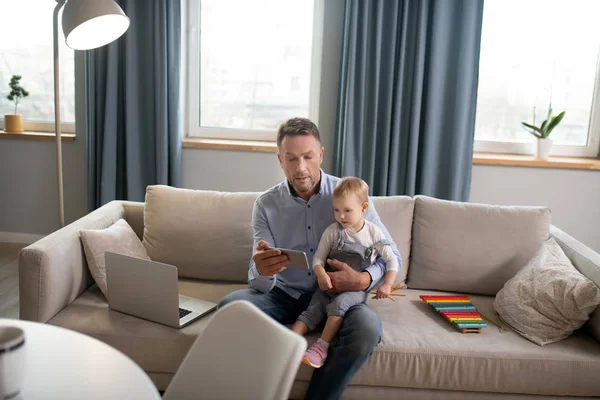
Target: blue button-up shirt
{"points": [[284, 220]]}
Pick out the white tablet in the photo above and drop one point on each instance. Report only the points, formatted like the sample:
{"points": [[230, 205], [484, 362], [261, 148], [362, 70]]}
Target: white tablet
{"points": [[297, 258]]}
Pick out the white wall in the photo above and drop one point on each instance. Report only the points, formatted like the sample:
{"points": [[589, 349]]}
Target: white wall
{"points": [[229, 170], [572, 195], [28, 181]]}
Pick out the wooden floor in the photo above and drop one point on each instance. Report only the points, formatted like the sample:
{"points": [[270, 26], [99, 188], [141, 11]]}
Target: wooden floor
{"points": [[9, 279]]}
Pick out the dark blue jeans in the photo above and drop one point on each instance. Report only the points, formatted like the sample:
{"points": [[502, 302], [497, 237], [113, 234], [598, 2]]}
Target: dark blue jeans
{"points": [[360, 332]]}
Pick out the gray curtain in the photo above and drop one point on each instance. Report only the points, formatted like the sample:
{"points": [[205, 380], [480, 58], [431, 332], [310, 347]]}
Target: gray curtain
{"points": [[407, 95], [134, 110]]}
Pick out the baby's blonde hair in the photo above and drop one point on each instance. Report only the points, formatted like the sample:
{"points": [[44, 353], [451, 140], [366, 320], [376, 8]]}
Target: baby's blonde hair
{"points": [[352, 185]]}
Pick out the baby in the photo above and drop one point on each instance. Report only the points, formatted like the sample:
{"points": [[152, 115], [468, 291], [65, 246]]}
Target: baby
{"points": [[356, 242]]}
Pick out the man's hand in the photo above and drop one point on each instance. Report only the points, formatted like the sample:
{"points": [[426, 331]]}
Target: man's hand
{"points": [[269, 261], [345, 279]]}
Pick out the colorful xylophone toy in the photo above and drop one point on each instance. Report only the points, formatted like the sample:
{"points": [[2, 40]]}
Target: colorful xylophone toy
{"points": [[458, 310]]}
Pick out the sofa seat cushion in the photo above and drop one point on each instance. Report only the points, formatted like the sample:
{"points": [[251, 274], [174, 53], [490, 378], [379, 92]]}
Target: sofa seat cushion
{"points": [[154, 347], [420, 349]]}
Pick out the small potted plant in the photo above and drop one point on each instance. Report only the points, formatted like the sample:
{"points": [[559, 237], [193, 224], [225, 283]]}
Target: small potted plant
{"points": [[544, 145], [14, 122]]}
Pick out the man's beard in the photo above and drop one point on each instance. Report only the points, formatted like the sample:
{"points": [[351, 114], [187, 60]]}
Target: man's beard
{"points": [[306, 188]]}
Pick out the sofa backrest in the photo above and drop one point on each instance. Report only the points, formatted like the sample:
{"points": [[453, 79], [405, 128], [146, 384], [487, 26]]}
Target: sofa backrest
{"points": [[396, 213], [208, 234], [472, 248], [134, 215], [205, 234]]}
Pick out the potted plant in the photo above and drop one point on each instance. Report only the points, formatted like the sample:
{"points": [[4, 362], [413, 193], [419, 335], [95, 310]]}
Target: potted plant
{"points": [[14, 122], [544, 145]]}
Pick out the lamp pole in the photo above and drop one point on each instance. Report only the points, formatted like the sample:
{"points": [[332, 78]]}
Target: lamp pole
{"points": [[61, 207], [81, 35]]}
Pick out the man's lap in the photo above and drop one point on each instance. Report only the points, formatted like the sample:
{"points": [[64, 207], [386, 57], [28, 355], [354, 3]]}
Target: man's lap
{"points": [[277, 304], [360, 320]]}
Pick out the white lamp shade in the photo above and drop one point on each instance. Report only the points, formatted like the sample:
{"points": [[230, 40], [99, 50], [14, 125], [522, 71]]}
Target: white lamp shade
{"points": [[88, 24]]}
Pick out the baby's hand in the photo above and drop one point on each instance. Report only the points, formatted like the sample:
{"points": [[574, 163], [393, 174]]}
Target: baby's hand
{"points": [[324, 282], [384, 291]]}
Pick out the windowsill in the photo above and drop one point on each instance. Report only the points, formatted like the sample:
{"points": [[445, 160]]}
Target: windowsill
{"points": [[65, 137], [517, 160], [514, 160], [230, 144]]}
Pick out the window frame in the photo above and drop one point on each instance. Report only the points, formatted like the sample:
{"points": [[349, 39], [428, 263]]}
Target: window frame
{"points": [[192, 61], [33, 126], [591, 150]]}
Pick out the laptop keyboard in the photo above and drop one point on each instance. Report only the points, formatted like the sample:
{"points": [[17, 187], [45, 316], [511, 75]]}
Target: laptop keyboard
{"points": [[183, 312]]}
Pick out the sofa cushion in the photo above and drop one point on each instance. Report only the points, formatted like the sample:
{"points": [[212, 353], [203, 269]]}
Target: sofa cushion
{"points": [[154, 347], [118, 238], [205, 234], [396, 213], [548, 299], [419, 349], [472, 248]]}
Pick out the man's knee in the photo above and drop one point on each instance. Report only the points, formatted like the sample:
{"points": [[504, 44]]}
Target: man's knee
{"points": [[243, 294], [363, 328]]}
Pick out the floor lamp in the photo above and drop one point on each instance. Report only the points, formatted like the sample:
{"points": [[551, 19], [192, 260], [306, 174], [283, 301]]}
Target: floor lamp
{"points": [[87, 24]]}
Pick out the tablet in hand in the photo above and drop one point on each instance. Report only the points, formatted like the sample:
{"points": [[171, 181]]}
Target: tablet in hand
{"points": [[297, 258]]}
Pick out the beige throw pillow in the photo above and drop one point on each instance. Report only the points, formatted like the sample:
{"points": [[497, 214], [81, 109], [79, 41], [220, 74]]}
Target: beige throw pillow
{"points": [[548, 299], [118, 238]]}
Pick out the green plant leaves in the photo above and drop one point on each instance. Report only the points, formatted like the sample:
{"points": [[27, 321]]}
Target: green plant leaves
{"points": [[533, 130], [555, 121], [543, 131], [17, 92]]}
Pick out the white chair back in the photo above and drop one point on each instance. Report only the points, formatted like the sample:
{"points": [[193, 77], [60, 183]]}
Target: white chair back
{"points": [[242, 354]]}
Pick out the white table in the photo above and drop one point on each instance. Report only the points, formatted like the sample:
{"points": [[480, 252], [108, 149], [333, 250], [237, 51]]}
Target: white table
{"points": [[64, 364]]}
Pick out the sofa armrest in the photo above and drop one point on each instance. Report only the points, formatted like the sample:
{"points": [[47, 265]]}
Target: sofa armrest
{"points": [[587, 261], [53, 271]]}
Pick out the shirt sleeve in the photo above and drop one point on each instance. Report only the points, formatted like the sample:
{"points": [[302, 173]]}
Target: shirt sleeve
{"points": [[377, 270], [260, 226], [385, 251], [391, 262], [327, 240]]}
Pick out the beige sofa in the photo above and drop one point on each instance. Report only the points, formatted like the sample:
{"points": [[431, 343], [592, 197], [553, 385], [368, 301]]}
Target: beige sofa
{"points": [[444, 244]]}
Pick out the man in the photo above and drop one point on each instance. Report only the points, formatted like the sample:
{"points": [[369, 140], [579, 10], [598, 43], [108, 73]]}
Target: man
{"points": [[293, 215]]}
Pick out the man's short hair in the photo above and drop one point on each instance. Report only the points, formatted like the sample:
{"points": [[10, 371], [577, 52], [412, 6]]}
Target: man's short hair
{"points": [[296, 127], [352, 185]]}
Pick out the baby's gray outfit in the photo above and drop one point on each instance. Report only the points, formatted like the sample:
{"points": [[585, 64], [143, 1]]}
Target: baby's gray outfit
{"points": [[358, 257]]}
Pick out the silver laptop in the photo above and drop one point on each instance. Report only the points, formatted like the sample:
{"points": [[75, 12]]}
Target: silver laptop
{"points": [[149, 290]]}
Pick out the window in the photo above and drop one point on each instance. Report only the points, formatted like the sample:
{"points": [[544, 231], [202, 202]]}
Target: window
{"points": [[26, 50], [534, 52], [249, 66]]}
